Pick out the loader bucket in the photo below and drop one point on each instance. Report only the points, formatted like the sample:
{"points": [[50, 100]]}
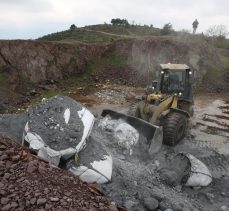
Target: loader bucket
{"points": [[153, 133]]}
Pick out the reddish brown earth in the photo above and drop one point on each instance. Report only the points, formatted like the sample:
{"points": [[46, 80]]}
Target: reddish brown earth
{"points": [[29, 183]]}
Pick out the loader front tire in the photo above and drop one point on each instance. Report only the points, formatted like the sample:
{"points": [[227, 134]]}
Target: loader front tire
{"points": [[174, 128]]}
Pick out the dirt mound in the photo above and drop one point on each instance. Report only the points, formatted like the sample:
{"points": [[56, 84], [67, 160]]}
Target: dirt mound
{"points": [[28, 183]]}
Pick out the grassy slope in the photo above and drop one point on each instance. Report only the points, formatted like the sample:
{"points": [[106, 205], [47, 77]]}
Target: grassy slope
{"points": [[106, 33], [103, 33]]}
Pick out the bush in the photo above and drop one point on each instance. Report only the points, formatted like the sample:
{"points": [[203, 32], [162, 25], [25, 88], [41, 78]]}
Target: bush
{"points": [[72, 27], [121, 22], [167, 29]]}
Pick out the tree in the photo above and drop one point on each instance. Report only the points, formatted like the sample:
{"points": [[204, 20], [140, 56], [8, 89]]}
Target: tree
{"points": [[167, 29], [217, 35], [217, 31], [72, 27], [121, 22]]}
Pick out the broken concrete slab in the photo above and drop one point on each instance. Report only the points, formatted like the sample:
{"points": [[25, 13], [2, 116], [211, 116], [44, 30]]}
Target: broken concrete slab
{"points": [[34, 140], [58, 128], [95, 163], [50, 155], [48, 120], [185, 169], [200, 174], [100, 172]]}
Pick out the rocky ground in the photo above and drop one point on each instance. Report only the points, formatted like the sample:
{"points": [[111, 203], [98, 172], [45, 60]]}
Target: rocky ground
{"points": [[136, 183], [207, 139], [29, 183]]}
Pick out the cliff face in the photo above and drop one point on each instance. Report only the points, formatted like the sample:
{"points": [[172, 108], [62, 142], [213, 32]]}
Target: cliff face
{"points": [[144, 56], [31, 62], [36, 61]]}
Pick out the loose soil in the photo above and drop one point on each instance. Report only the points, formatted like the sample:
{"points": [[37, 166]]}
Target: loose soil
{"points": [[30, 183]]}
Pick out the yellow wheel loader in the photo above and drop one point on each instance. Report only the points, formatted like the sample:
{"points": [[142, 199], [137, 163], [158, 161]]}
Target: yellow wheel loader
{"points": [[170, 102], [163, 113]]}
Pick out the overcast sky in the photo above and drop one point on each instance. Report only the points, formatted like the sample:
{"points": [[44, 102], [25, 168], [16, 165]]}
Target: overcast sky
{"points": [[30, 19]]}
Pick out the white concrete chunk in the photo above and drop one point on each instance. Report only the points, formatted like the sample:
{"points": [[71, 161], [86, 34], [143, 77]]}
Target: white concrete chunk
{"points": [[50, 155], [67, 115], [91, 176], [104, 167], [200, 174]]}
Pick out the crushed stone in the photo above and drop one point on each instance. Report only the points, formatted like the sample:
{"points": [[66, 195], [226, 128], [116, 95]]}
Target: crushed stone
{"points": [[13, 125], [57, 122]]}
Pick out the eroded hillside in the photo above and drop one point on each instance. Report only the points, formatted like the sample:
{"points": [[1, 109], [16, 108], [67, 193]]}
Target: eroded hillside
{"points": [[31, 65]]}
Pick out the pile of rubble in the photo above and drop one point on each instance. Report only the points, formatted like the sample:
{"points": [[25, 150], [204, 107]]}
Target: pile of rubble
{"points": [[110, 153], [29, 183]]}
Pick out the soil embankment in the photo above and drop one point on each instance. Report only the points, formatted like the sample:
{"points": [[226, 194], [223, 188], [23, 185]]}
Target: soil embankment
{"points": [[28, 183]]}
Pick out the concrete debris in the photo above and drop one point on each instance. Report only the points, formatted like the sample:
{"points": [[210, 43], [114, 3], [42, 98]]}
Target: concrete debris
{"points": [[100, 173], [50, 155], [151, 203], [57, 128], [67, 115], [67, 153], [48, 121], [200, 174], [175, 169], [34, 140], [88, 121], [126, 135], [95, 163], [117, 157], [224, 208]]}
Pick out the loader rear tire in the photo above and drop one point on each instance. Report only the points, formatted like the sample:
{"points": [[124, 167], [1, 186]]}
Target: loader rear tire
{"points": [[174, 128]]}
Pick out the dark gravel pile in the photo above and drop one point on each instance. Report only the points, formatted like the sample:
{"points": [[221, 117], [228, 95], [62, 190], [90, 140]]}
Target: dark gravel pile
{"points": [[47, 120], [29, 183]]}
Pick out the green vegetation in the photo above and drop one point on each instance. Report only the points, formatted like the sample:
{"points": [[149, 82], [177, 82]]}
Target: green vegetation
{"points": [[48, 94], [103, 33], [79, 35], [167, 29], [224, 57], [115, 59], [212, 72], [118, 21], [225, 61], [72, 27], [88, 71]]}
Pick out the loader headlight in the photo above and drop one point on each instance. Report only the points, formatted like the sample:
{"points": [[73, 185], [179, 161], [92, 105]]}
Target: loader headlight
{"points": [[180, 94], [190, 72], [162, 72]]}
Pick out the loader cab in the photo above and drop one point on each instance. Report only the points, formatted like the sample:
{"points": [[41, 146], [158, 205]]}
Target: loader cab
{"points": [[176, 78]]}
